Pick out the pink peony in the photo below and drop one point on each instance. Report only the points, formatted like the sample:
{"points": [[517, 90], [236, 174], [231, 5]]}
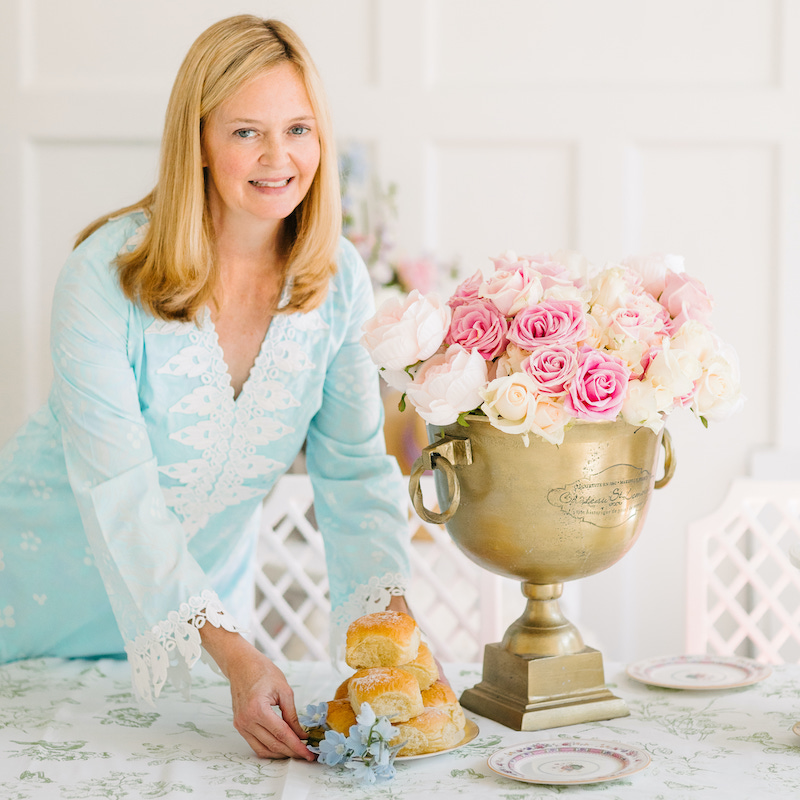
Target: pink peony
{"points": [[448, 384], [548, 322], [478, 325], [551, 367], [653, 270], [599, 388], [403, 332]]}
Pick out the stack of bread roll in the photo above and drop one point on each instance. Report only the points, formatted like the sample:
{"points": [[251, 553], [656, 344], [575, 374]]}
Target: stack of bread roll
{"points": [[397, 676]]}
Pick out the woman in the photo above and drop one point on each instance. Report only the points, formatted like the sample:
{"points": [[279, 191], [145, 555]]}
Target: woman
{"points": [[199, 337]]}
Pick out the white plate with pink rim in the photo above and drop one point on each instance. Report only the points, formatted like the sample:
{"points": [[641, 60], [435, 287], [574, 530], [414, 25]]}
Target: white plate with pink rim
{"points": [[699, 671], [568, 761]]}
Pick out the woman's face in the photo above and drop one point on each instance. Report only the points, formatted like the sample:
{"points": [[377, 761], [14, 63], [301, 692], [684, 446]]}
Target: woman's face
{"points": [[261, 150]]}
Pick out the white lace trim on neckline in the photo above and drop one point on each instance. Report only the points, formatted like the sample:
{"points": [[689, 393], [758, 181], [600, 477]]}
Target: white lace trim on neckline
{"points": [[171, 648], [365, 599]]}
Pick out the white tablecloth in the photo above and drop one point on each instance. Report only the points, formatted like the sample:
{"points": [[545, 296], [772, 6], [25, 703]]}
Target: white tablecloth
{"points": [[71, 729]]}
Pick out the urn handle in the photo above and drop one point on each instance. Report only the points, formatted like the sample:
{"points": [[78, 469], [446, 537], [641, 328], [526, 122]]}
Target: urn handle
{"points": [[669, 461], [443, 455]]}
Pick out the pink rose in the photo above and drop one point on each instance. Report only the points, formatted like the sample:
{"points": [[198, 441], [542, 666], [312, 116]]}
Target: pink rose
{"points": [[512, 289], [548, 322], [599, 387], [466, 290], [551, 367], [641, 318], [685, 298], [478, 325], [405, 331]]}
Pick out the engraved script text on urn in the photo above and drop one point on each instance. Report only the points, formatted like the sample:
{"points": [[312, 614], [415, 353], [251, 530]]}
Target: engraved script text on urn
{"points": [[605, 499]]}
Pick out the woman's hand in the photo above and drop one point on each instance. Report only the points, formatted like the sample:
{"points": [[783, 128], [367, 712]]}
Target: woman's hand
{"points": [[257, 686]]}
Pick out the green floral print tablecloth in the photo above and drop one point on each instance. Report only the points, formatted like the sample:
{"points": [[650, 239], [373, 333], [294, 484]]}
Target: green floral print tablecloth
{"points": [[71, 730]]}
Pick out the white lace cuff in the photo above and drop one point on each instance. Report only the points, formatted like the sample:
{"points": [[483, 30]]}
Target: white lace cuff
{"points": [[171, 648], [366, 599]]}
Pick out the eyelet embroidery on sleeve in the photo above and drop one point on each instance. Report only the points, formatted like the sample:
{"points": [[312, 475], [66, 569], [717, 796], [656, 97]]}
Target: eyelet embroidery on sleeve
{"points": [[171, 648], [365, 599]]}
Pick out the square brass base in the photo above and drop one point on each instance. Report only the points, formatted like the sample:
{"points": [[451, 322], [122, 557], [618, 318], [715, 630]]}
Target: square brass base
{"points": [[531, 694]]}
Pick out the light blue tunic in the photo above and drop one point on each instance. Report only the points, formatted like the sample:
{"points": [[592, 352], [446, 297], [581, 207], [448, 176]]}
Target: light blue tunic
{"points": [[134, 489]]}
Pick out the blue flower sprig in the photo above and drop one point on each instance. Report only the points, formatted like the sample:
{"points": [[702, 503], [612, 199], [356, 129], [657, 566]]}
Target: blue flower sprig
{"points": [[366, 750]]}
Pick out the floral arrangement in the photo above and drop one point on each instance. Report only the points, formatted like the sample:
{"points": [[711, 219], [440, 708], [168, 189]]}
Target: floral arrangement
{"points": [[538, 343], [366, 749]]}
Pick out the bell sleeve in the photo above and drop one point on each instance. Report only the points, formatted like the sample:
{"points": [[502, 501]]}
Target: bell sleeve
{"points": [[159, 594], [359, 492]]}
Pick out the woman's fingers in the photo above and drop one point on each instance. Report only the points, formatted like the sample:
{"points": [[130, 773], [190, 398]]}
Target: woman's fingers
{"points": [[270, 737], [289, 712]]}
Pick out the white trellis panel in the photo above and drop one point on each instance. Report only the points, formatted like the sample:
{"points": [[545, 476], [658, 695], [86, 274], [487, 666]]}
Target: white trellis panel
{"points": [[457, 604], [743, 591]]}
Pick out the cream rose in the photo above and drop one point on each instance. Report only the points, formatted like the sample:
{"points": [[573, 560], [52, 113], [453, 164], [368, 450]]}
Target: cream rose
{"points": [[510, 403]]}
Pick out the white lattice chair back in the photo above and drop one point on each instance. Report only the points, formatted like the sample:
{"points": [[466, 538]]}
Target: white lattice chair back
{"points": [[457, 604], [743, 590]]}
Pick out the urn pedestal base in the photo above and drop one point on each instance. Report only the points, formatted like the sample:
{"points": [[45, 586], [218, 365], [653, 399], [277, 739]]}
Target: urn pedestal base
{"points": [[539, 692]]}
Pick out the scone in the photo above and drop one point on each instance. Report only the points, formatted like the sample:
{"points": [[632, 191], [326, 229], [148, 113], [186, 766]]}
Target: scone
{"points": [[341, 716], [423, 667], [382, 639], [428, 732], [440, 695], [390, 692], [342, 692]]}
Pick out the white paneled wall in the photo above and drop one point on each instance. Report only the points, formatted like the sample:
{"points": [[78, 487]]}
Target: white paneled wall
{"points": [[607, 126]]}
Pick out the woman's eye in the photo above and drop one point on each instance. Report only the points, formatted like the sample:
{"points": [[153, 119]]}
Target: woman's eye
{"points": [[244, 133], [298, 130]]}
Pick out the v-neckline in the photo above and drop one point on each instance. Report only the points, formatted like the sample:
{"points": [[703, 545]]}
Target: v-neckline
{"points": [[219, 354]]}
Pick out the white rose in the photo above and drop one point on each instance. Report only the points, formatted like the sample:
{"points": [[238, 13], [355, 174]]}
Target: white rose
{"points": [[448, 384], [612, 288], [405, 331], [697, 339], [645, 405], [674, 370], [510, 361], [718, 393], [559, 292]]}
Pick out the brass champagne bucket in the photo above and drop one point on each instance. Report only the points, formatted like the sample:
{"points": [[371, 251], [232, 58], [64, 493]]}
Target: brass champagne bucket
{"points": [[542, 514]]}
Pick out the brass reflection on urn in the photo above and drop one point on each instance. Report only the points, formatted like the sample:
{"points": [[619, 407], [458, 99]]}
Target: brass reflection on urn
{"points": [[544, 515]]}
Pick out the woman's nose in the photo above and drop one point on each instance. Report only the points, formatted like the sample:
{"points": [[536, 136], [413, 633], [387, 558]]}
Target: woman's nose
{"points": [[274, 152]]}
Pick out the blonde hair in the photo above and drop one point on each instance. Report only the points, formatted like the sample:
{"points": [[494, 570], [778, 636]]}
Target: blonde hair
{"points": [[173, 272]]}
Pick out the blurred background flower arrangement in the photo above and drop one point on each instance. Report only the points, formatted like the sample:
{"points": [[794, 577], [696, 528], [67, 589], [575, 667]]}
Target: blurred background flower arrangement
{"points": [[369, 221]]}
